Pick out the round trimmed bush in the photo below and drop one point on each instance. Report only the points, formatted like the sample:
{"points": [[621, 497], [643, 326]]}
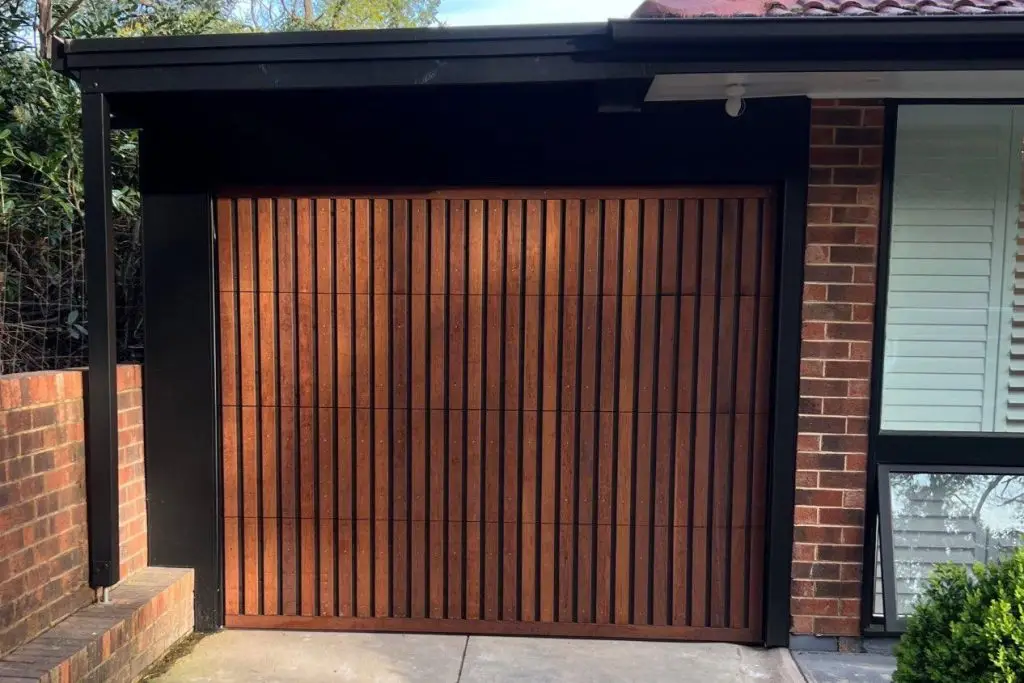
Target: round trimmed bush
{"points": [[967, 629]]}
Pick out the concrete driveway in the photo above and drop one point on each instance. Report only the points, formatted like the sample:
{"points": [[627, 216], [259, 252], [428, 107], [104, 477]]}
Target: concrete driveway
{"points": [[297, 657]]}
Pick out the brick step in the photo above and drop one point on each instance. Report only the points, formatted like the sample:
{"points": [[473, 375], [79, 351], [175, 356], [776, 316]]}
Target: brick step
{"points": [[149, 612]]}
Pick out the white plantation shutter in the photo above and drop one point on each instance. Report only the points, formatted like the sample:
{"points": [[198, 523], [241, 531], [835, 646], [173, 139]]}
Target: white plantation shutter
{"points": [[952, 269], [1012, 402]]}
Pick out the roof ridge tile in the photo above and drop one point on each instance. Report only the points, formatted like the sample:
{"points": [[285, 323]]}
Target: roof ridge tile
{"points": [[825, 8]]}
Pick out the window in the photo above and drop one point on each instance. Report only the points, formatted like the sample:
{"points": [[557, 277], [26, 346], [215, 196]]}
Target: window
{"points": [[951, 467], [954, 339], [936, 515]]}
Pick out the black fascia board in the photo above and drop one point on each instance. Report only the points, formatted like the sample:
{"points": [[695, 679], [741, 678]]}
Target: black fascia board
{"points": [[630, 49], [312, 46]]}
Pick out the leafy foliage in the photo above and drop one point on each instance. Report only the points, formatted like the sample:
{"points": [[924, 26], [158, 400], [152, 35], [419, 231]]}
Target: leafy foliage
{"points": [[377, 13], [967, 629], [42, 309], [42, 293], [127, 18], [298, 15]]}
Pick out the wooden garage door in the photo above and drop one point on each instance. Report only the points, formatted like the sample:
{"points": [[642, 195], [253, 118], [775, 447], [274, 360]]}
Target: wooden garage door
{"points": [[504, 412]]}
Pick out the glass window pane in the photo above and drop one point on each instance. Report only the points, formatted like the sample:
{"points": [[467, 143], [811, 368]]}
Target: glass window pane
{"points": [[951, 333], [949, 517]]}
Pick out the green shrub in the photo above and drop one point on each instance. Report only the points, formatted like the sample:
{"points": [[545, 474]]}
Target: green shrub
{"points": [[967, 629]]}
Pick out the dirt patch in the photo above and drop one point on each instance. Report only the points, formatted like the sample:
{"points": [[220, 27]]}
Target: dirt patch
{"points": [[182, 648]]}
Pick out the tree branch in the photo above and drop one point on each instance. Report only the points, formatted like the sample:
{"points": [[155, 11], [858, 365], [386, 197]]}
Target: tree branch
{"points": [[67, 15], [984, 497], [44, 16]]}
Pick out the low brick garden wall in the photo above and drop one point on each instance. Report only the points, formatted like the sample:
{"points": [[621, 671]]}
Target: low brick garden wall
{"points": [[44, 540]]}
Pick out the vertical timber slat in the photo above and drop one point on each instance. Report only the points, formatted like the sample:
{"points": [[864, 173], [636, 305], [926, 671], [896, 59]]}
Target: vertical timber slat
{"points": [[497, 409]]}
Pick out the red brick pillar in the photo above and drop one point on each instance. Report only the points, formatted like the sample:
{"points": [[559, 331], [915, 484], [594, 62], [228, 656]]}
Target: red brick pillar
{"points": [[835, 369]]}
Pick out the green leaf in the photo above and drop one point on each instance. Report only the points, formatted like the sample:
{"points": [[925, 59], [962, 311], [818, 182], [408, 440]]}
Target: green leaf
{"points": [[967, 630]]}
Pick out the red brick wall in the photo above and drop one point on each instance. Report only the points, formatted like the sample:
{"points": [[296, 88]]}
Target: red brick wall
{"points": [[43, 551], [44, 565], [132, 473], [838, 310]]}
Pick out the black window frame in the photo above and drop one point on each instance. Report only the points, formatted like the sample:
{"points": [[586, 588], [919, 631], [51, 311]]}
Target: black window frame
{"points": [[893, 622], [890, 451]]}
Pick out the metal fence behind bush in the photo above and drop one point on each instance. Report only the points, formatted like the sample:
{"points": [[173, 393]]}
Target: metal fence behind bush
{"points": [[43, 316]]}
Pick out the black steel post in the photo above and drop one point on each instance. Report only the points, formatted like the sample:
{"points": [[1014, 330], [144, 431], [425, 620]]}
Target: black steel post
{"points": [[867, 594], [789, 310], [101, 388]]}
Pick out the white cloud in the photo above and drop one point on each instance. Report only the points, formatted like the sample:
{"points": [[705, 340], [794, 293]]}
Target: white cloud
{"points": [[495, 12]]}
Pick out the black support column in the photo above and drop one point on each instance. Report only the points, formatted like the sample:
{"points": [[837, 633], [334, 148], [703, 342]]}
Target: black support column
{"points": [[180, 380], [786, 390], [101, 387]]}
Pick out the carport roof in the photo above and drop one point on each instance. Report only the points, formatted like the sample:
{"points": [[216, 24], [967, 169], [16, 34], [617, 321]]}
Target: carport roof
{"points": [[623, 50]]}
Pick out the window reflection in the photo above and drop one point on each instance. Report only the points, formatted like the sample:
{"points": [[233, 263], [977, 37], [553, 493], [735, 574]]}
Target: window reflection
{"points": [[950, 517], [954, 323]]}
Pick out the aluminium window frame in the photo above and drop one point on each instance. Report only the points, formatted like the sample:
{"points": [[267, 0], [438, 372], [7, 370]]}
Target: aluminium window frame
{"points": [[894, 623], [890, 451]]}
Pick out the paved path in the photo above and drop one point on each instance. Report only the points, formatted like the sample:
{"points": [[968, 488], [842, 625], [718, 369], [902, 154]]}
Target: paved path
{"points": [[820, 667], [297, 657]]}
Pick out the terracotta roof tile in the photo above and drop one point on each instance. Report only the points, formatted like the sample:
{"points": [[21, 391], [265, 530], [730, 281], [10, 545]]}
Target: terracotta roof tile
{"points": [[654, 9]]}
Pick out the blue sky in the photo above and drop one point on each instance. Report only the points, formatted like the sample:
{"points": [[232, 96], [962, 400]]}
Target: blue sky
{"points": [[489, 12]]}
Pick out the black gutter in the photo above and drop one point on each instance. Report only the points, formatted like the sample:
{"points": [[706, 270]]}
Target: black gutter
{"points": [[625, 50], [613, 41], [394, 36], [760, 29], [736, 29], [132, 55], [316, 46]]}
